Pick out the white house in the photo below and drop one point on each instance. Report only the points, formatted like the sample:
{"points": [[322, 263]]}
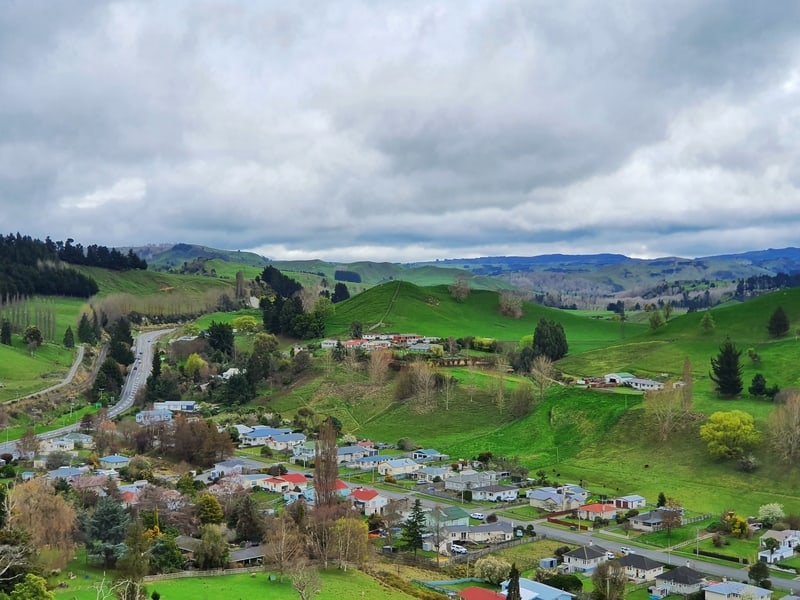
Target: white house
{"points": [[187, 406], [585, 559], [369, 502], [630, 502], [787, 540], [639, 568], [259, 436], [681, 580], [495, 493], [150, 417], [645, 385], [399, 467], [734, 590]]}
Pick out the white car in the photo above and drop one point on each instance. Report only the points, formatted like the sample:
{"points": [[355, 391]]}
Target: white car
{"points": [[625, 550], [477, 515], [456, 549]]}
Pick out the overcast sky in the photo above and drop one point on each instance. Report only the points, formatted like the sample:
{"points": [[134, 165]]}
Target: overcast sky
{"points": [[403, 131]]}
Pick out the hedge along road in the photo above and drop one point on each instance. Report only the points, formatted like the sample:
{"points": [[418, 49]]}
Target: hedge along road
{"points": [[137, 377]]}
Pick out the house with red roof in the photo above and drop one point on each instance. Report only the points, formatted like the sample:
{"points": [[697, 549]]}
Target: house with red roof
{"points": [[368, 501], [590, 512], [478, 593]]}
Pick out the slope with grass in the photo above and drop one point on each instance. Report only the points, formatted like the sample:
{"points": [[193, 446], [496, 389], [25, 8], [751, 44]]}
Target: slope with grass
{"points": [[400, 306]]}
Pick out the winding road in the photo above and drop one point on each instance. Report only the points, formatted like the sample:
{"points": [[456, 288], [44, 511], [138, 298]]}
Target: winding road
{"points": [[137, 378]]}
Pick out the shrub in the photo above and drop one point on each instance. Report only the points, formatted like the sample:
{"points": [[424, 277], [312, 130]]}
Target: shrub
{"points": [[389, 479]]}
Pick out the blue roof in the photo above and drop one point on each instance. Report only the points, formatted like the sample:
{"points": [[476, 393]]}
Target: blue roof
{"points": [[115, 458], [734, 588], [289, 437], [429, 452], [369, 459], [267, 432], [400, 462], [351, 450], [540, 590]]}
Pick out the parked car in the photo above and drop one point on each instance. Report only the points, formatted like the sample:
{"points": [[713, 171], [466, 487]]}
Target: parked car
{"points": [[477, 515], [625, 550], [610, 555], [456, 549]]}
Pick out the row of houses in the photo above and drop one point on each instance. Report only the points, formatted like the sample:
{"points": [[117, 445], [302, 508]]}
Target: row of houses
{"points": [[683, 580], [373, 341]]}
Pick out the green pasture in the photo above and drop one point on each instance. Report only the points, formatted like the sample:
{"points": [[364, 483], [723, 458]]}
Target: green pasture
{"points": [[145, 283], [335, 584], [403, 307]]}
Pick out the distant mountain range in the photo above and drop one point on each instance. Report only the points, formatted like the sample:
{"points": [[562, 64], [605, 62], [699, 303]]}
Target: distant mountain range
{"points": [[570, 276]]}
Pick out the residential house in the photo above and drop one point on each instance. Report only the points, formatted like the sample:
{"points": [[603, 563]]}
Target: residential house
{"points": [[653, 520], [681, 580], [479, 593], [328, 344], [585, 559], [573, 490], [551, 500], [185, 406], [247, 557], [304, 453], [630, 502], [56, 445], [226, 375], [285, 442], [151, 417], [369, 502], [257, 480], [495, 493], [349, 454], [639, 568], [398, 467], [735, 590], [259, 435], [645, 385], [469, 479], [428, 455], [444, 516], [601, 510], [486, 533], [80, 440], [90, 483], [367, 463], [533, 590], [235, 466], [114, 461], [788, 540], [429, 474], [67, 473]]}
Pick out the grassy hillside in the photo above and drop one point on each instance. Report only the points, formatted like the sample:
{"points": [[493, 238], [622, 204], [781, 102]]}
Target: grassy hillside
{"points": [[400, 306], [143, 283]]}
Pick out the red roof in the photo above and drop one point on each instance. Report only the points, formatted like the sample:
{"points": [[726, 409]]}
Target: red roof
{"points": [[598, 508], [341, 485], [276, 480], [478, 593], [364, 495], [294, 478]]}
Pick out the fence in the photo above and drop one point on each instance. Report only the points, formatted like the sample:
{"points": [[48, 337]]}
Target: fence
{"points": [[209, 573], [475, 554]]}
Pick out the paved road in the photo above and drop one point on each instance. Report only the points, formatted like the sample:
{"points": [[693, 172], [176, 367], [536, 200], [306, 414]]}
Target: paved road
{"points": [[137, 377]]}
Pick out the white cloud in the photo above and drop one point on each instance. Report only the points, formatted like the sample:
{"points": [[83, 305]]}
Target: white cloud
{"points": [[122, 192]]}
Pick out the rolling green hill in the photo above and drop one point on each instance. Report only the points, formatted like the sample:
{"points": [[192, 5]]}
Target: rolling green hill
{"points": [[400, 306]]}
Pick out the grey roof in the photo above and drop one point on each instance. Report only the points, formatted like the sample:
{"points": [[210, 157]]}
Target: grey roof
{"points": [[587, 552], [186, 543], [247, 554], [684, 575], [637, 561]]}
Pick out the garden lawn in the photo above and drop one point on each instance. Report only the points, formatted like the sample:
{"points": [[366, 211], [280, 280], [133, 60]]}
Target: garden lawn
{"points": [[335, 586]]}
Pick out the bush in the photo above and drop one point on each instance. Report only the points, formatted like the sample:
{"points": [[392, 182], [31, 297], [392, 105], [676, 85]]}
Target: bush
{"points": [[389, 479]]}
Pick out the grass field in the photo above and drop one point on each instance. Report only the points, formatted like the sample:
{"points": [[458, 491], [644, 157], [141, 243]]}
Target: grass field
{"points": [[335, 585]]}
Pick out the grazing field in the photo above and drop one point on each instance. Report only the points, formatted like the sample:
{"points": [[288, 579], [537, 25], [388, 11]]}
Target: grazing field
{"points": [[335, 586]]}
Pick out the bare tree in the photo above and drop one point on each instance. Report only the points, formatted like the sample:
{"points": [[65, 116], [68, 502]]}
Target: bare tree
{"points": [[306, 581], [351, 538], [28, 444], [378, 369], [784, 428], [510, 305], [542, 373], [423, 380], [284, 545], [665, 411], [459, 289], [686, 398]]}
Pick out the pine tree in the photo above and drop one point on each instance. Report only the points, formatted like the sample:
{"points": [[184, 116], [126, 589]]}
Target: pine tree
{"points": [[86, 331], [513, 592], [5, 333], [69, 338], [778, 323], [662, 500], [414, 528], [727, 372]]}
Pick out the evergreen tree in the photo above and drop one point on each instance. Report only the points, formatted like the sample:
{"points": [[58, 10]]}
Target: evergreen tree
{"points": [[662, 500], [340, 292], [69, 338], [778, 323], [550, 340], [86, 331], [513, 592], [414, 528], [758, 386], [5, 333], [727, 372], [107, 529], [220, 337]]}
